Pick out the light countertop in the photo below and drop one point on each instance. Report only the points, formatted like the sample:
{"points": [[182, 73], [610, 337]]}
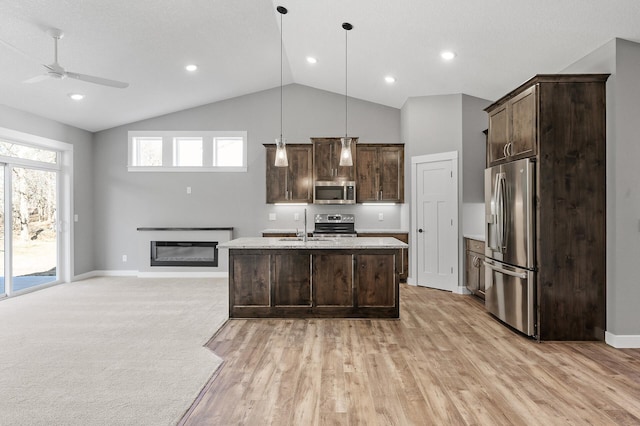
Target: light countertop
{"points": [[314, 243], [310, 230], [479, 237]]}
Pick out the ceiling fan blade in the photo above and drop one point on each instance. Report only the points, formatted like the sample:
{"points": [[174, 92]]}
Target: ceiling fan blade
{"points": [[97, 80], [36, 79]]}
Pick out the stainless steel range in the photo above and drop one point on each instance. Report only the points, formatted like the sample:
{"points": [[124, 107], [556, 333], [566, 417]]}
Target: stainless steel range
{"points": [[335, 225]]}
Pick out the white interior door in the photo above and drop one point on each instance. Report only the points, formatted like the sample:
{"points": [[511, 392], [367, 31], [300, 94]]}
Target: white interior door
{"points": [[436, 221]]}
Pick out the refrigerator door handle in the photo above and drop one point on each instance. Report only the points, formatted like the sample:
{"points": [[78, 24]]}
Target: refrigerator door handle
{"points": [[490, 265], [500, 211]]}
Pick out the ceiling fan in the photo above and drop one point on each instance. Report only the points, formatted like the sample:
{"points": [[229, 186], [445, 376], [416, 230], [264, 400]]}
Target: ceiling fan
{"points": [[55, 70]]}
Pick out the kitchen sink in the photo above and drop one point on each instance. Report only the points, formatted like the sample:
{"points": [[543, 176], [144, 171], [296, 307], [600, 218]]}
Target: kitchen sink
{"points": [[308, 239]]}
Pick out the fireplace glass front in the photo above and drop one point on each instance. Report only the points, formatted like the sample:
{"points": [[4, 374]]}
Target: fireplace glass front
{"points": [[184, 253]]}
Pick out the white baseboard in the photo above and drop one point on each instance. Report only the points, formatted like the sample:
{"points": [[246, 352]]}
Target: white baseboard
{"points": [[209, 274], [622, 341], [462, 290], [121, 273], [411, 281]]}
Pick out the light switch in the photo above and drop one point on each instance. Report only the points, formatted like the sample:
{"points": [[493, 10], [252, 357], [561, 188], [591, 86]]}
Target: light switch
{"points": [[296, 216], [272, 216], [188, 190], [75, 217], [380, 216]]}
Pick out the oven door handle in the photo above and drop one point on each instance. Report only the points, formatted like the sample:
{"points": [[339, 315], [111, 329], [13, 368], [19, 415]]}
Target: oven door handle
{"points": [[522, 275]]}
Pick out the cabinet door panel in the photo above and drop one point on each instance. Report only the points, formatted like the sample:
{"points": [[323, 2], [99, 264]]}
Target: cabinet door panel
{"points": [[333, 280], [392, 174], [367, 187], [291, 280], [251, 280], [276, 178], [375, 277], [323, 168], [300, 174], [523, 124], [498, 136]]}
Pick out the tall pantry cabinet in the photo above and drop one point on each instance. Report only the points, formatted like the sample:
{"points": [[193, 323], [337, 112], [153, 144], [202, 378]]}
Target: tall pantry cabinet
{"points": [[559, 121]]}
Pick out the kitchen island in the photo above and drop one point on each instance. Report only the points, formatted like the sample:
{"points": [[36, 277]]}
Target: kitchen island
{"points": [[317, 278]]}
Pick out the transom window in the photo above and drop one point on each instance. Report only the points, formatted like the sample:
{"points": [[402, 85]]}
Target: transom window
{"points": [[193, 151]]}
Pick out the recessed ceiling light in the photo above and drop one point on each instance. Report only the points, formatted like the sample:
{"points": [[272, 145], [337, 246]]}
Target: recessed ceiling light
{"points": [[191, 67], [76, 96], [447, 55], [389, 79], [312, 60]]}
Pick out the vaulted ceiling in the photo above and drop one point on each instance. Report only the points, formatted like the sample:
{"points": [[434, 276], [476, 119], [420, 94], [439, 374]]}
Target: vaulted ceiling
{"points": [[236, 45]]}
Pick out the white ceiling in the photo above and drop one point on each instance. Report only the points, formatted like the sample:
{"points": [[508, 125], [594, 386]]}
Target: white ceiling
{"points": [[236, 43]]}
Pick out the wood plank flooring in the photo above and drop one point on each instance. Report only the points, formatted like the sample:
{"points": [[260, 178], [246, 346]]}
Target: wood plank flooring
{"points": [[446, 361]]}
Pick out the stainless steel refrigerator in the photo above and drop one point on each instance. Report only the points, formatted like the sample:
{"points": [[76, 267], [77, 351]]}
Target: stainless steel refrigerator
{"points": [[510, 244]]}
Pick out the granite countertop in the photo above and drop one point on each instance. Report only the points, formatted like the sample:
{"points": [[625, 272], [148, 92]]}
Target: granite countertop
{"points": [[310, 230], [314, 243]]}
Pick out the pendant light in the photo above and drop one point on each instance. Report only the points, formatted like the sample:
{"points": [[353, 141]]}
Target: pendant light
{"points": [[345, 153], [281, 148]]}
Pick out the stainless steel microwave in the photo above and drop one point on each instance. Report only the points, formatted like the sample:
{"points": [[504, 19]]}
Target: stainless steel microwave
{"points": [[334, 192]]}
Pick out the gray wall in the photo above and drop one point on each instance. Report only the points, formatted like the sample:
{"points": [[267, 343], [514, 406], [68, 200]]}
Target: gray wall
{"points": [[127, 200], [82, 176], [444, 123], [621, 58]]}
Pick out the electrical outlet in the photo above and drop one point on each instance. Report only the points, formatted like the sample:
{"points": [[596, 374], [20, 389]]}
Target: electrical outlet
{"points": [[296, 216], [272, 216], [188, 190], [380, 216], [75, 217], [124, 257]]}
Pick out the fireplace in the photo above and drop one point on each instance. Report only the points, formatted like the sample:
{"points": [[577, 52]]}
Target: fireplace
{"points": [[184, 253]]}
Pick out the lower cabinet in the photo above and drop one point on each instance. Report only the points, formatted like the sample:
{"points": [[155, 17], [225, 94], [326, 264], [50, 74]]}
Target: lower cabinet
{"points": [[402, 236], [359, 283], [474, 266]]}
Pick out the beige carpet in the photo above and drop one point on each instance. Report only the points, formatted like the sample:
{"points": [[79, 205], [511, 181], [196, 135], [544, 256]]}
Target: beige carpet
{"points": [[108, 351]]}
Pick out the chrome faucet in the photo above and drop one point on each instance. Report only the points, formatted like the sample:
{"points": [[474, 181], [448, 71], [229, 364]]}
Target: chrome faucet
{"points": [[304, 237]]}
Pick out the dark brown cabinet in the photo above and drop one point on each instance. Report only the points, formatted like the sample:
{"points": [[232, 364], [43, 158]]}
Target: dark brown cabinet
{"points": [[474, 267], [358, 283], [402, 236], [566, 117], [380, 173], [513, 128], [292, 184], [326, 160]]}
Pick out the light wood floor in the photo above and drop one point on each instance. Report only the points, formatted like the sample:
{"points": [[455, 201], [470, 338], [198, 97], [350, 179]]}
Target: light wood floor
{"points": [[445, 362]]}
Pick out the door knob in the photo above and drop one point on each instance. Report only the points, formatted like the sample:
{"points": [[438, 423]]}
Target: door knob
{"points": [[420, 230]]}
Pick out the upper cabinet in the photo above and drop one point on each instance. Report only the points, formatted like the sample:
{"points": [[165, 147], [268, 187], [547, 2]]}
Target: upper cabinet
{"points": [[513, 128], [292, 184], [380, 173], [326, 160]]}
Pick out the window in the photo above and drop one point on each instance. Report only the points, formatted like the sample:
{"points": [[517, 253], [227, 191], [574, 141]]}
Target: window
{"points": [[148, 152], [187, 152], [190, 151], [15, 150], [227, 152]]}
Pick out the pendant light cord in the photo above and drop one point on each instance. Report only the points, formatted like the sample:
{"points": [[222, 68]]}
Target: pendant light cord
{"points": [[346, 114], [347, 27], [281, 42]]}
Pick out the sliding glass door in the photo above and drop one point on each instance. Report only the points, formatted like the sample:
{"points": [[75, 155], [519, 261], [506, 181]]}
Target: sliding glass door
{"points": [[34, 234], [29, 187], [3, 291]]}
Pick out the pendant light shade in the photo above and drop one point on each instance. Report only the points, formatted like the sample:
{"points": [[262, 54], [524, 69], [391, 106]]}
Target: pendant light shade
{"points": [[345, 153], [281, 145]]}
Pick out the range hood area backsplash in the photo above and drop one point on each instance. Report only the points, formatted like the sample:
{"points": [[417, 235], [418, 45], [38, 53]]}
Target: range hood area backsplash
{"points": [[367, 217]]}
